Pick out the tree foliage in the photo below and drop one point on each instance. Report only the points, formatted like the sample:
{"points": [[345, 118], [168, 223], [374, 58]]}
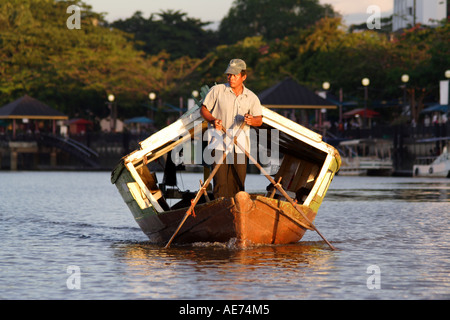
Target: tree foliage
{"points": [[75, 69], [270, 19], [170, 31], [171, 54]]}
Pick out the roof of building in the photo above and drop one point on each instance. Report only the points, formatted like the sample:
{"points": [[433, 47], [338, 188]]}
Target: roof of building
{"points": [[30, 108], [289, 94]]}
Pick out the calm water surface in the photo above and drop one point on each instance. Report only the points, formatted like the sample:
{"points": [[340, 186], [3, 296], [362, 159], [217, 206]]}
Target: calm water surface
{"points": [[392, 234]]}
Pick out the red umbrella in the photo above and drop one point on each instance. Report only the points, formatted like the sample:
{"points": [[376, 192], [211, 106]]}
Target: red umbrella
{"points": [[79, 125], [364, 113]]}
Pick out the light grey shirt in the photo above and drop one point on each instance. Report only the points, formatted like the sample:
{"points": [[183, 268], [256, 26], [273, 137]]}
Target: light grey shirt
{"points": [[224, 105]]}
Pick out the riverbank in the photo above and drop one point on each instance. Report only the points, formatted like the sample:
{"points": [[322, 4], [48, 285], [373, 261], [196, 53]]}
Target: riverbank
{"points": [[409, 142]]}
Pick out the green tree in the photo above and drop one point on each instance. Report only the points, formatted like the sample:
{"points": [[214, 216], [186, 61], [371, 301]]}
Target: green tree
{"points": [[423, 52], [270, 18], [170, 31], [74, 70], [325, 51]]}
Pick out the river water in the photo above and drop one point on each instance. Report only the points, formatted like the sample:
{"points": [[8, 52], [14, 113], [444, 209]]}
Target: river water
{"points": [[69, 235]]}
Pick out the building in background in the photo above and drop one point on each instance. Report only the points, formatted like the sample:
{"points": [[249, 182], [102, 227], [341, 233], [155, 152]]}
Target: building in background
{"points": [[407, 13]]}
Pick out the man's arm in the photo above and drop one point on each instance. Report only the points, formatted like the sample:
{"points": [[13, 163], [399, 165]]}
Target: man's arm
{"points": [[209, 117]]}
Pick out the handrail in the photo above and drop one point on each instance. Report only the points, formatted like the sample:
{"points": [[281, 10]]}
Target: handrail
{"points": [[73, 147]]}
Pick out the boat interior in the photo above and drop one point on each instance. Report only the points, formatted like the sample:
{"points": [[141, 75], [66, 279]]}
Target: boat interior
{"points": [[297, 169]]}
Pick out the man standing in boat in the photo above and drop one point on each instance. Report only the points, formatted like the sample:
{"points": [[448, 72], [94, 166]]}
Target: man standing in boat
{"points": [[227, 106]]}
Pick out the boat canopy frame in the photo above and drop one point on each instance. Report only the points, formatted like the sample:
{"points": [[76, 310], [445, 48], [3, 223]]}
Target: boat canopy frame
{"points": [[295, 141]]}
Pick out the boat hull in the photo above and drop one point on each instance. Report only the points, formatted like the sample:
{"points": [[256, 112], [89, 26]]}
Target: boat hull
{"points": [[245, 218], [437, 167], [441, 170]]}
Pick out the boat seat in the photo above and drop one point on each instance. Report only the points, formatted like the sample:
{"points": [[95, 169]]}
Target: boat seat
{"points": [[297, 178], [157, 194], [151, 182]]}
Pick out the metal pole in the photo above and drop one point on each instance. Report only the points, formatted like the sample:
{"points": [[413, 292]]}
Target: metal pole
{"points": [[341, 99], [366, 95]]}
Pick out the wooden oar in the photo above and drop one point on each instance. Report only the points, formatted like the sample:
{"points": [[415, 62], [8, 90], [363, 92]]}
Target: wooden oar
{"points": [[205, 192], [205, 185], [280, 188]]}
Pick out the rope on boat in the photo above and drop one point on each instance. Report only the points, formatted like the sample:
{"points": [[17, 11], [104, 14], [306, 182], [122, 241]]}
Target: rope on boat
{"points": [[192, 212]]}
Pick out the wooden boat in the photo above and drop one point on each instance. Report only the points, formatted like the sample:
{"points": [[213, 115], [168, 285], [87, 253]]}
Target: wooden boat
{"points": [[366, 157], [306, 170]]}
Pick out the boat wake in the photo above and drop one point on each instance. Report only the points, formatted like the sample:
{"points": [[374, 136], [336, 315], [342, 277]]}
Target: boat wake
{"points": [[233, 243]]}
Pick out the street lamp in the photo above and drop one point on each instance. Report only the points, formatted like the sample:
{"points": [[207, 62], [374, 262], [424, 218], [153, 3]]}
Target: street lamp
{"points": [[447, 75], [325, 86], [152, 97], [365, 82], [405, 79], [192, 101], [111, 106]]}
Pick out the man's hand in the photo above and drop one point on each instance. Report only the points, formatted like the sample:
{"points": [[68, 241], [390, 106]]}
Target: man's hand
{"points": [[252, 120], [217, 124]]}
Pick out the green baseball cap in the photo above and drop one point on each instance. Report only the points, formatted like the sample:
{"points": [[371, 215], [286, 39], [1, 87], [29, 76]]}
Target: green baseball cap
{"points": [[236, 66]]}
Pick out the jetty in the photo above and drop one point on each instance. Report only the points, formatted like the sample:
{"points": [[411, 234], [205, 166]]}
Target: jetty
{"points": [[30, 138], [36, 146]]}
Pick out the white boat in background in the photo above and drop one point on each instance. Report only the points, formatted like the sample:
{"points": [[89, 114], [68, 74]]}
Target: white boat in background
{"points": [[438, 166], [366, 157]]}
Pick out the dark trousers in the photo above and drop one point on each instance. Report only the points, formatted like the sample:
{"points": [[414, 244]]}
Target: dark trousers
{"points": [[230, 177]]}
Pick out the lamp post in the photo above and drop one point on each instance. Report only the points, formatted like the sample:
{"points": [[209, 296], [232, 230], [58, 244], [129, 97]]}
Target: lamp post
{"points": [[365, 82], [111, 106], [405, 79], [325, 86], [152, 97], [447, 76], [192, 101], [341, 100]]}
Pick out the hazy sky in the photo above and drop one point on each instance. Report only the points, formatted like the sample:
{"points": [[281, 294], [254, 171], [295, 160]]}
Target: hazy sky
{"points": [[354, 11]]}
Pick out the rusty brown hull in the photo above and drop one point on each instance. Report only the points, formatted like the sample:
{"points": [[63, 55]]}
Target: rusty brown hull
{"points": [[254, 219]]}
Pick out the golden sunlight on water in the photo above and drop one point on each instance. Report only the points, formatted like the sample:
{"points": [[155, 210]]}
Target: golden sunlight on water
{"points": [[398, 227], [234, 268]]}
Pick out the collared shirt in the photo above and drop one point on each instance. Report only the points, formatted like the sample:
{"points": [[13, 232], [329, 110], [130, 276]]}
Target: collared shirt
{"points": [[224, 105]]}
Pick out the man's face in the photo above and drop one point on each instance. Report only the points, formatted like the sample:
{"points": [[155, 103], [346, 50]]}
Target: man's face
{"points": [[236, 80]]}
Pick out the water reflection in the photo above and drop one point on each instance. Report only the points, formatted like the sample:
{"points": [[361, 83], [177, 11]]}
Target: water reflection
{"points": [[223, 270], [204, 254], [398, 224], [408, 191], [410, 195]]}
